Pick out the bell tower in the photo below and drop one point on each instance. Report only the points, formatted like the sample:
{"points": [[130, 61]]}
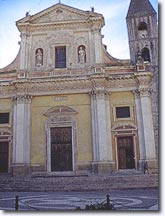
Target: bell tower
{"points": [[143, 40], [142, 31]]}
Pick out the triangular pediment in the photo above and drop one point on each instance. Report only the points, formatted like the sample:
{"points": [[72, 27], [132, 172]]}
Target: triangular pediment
{"points": [[58, 13]]}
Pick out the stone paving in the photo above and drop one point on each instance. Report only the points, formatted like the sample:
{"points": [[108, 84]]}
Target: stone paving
{"points": [[122, 199]]}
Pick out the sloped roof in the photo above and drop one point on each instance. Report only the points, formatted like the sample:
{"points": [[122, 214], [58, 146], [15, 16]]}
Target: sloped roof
{"points": [[139, 8]]}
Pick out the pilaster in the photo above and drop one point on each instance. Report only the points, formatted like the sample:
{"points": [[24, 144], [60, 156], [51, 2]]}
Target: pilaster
{"points": [[101, 131], [97, 45], [145, 127], [21, 134]]}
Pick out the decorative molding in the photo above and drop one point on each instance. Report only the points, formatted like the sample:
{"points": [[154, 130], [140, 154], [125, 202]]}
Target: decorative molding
{"points": [[5, 135], [25, 99], [124, 127], [142, 92], [70, 83], [143, 79], [60, 110]]}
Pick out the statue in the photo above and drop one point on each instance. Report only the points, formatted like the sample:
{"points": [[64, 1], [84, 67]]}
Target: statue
{"points": [[82, 54], [39, 57]]}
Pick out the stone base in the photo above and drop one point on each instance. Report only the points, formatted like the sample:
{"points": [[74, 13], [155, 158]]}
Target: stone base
{"points": [[153, 166], [20, 169], [37, 168], [84, 167], [103, 167]]}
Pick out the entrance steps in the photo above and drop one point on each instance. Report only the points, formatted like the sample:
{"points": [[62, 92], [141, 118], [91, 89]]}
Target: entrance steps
{"points": [[78, 182]]}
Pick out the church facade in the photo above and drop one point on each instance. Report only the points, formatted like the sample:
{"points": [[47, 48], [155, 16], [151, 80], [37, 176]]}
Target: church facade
{"points": [[66, 105]]}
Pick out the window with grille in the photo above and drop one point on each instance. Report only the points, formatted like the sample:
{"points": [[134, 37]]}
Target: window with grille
{"points": [[123, 112], [4, 118], [60, 57]]}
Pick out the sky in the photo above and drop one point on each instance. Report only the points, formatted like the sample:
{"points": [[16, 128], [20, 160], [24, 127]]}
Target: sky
{"points": [[114, 31]]}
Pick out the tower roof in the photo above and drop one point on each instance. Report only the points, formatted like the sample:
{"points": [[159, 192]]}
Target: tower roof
{"points": [[140, 8]]}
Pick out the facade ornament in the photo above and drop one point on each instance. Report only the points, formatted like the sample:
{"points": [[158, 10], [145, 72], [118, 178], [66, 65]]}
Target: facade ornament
{"points": [[140, 66], [143, 80], [99, 93], [25, 99], [142, 92], [140, 60]]}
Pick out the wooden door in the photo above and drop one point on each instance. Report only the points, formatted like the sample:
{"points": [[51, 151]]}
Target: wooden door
{"points": [[125, 153], [4, 156], [61, 149]]}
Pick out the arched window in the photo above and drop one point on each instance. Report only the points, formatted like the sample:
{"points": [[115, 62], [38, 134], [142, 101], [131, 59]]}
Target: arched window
{"points": [[81, 54], [146, 54], [142, 26], [39, 57], [142, 30]]}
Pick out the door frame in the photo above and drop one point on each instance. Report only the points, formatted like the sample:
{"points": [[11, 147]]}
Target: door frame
{"points": [[60, 116], [6, 136], [134, 147]]}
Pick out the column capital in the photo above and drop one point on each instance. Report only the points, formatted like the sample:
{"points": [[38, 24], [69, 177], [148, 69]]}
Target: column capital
{"points": [[142, 92], [99, 93], [22, 99]]}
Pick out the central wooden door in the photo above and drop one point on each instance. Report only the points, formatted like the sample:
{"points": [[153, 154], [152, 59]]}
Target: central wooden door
{"points": [[4, 156], [125, 149], [61, 149]]}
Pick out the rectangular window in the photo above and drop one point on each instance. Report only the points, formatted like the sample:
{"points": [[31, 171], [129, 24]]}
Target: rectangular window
{"points": [[4, 118], [123, 112], [60, 57]]}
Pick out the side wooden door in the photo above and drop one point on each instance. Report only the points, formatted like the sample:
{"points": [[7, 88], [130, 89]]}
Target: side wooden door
{"points": [[4, 156], [125, 148]]}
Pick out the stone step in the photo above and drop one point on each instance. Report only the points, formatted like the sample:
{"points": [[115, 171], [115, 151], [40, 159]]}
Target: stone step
{"points": [[78, 183]]}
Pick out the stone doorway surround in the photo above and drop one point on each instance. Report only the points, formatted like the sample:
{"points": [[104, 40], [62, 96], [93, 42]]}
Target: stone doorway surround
{"points": [[125, 131], [6, 137], [60, 116]]}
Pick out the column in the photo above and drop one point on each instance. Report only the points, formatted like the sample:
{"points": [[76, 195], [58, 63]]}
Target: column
{"points": [[101, 131], [21, 134]]}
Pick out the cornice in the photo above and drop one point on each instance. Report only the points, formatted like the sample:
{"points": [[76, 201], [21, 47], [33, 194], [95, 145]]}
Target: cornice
{"points": [[76, 84], [60, 24], [59, 8]]}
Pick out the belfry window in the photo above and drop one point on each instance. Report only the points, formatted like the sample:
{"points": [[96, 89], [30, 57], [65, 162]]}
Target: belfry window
{"points": [[142, 30], [142, 26], [146, 54]]}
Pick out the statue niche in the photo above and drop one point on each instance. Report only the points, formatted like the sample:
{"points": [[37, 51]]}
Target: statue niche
{"points": [[81, 54], [39, 57]]}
